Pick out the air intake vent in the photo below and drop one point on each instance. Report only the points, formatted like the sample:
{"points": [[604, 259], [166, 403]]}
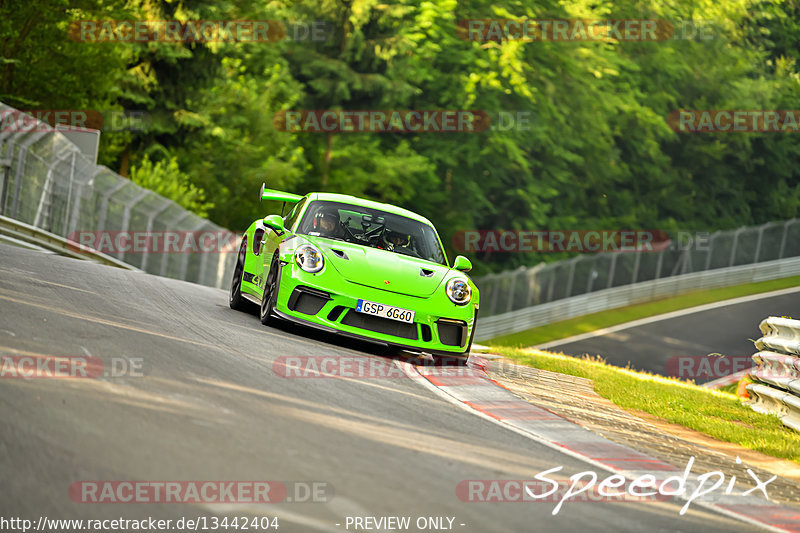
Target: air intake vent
{"points": [[452, 332], [426, 332], [339, 253], [425, 272]]}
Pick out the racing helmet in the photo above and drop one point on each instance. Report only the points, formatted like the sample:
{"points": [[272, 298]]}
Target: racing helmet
{"points": [[326, 220], [395, 238]]}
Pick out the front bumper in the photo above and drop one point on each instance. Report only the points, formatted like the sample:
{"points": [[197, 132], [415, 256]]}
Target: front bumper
{"points": [[327, 301]]}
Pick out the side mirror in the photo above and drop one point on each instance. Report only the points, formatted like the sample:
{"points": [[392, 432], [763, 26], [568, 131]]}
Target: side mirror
{"points": [[462, 263], [261, 192], [275, 223]]}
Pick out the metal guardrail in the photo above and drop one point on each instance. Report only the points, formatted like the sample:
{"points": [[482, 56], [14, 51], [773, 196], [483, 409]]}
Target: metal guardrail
{"points": [[777, 374], [27, 233], [540, 315], [544, 283], [54, 192]]}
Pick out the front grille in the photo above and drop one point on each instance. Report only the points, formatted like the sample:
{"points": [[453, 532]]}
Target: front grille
{"points": [[380, 325], [452, 332]]}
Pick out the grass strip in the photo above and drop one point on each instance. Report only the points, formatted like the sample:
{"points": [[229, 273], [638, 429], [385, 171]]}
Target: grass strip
{"points": [[717, 414]]}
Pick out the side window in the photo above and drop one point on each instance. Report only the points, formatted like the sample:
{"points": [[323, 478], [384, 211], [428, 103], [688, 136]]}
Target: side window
{"points": [[290, 219]]}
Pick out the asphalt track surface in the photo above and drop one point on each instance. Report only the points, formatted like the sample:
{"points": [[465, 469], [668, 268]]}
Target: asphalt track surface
{"points": [[727, 329], [209, 406]]}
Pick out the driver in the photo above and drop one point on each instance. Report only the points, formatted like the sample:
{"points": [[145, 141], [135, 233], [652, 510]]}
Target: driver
{"points": [[326, 222], [394, 239]]}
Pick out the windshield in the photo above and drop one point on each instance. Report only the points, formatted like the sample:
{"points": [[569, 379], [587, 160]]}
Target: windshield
{"points": [[372, 227]]}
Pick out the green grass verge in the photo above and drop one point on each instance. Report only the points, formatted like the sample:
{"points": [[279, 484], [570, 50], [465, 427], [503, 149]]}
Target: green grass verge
{"points": [[715, 413], [604, 319]]}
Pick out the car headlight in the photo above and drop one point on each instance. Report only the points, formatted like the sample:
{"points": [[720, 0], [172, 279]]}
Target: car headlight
{"points": [[459, 291], [309, 258]]}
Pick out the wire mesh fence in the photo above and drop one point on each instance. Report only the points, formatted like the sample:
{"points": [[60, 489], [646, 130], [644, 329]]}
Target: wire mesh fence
{"points": [[547, 282], [48, 183]]}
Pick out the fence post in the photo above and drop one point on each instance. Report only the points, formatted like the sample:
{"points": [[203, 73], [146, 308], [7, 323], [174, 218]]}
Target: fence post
{"points": [[126, 216], [5, 165], [165, 254], [758, 242], [571, 276], [150, 220], [735, 245], [69, 193], [783, 237], [101, 221]]}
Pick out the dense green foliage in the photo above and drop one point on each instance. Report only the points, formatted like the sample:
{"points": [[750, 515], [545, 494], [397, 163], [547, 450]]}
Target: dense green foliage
{"points": [[599, 152]]}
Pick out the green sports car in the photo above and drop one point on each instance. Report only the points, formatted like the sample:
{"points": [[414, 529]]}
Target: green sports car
{"points": [[357, 268]]}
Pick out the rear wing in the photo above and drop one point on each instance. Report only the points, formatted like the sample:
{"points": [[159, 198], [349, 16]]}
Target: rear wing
{"points": [[278, 196]]}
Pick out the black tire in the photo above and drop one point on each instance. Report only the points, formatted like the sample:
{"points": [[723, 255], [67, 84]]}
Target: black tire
{"points": [[270, 295], [235, 298]]}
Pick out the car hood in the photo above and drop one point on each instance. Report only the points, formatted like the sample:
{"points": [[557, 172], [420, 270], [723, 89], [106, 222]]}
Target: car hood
{"points": [[381, 269]]}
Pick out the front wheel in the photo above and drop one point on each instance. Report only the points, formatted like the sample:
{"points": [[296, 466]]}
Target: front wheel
{"points": [[235, 299], [270, 295]]}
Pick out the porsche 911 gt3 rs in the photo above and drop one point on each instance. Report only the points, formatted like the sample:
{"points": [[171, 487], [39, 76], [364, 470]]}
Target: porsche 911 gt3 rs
{"points": [[358, 268]]}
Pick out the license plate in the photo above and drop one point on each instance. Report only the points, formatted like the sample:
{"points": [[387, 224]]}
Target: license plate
{"points": [[385, 311]]}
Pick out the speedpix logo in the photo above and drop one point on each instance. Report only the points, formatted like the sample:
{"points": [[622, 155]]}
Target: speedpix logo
{"points": [[588, 486]]}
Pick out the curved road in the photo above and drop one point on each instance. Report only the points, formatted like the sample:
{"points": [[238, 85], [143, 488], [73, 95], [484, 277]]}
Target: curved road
{"points": [[681, 339], [209, 406]]}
